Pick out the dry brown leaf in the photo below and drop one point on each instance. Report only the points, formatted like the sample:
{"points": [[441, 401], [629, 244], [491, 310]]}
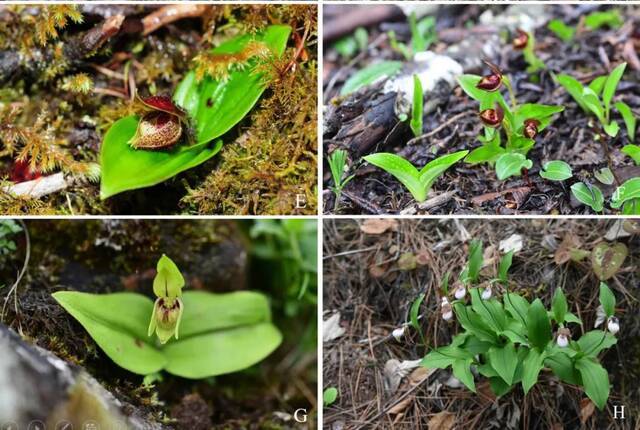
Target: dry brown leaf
{"points": [[377, 271], [586, 409], [419, 375], [563, 253], [378, 226], [423, 258], [401, 405], [443, 420]]}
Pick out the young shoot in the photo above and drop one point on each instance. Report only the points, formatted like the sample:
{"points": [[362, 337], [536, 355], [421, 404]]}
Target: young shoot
{"points": [[418, 182], [416, 111], [338, 166]]}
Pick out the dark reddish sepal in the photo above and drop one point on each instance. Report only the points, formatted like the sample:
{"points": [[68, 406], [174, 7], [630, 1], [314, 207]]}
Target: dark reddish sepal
{"points": [[492, 117], [531, 128], [521, 40]]}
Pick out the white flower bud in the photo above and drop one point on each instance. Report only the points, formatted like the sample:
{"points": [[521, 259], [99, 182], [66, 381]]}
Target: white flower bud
{"points": [[399, 333], [562, 341], [461, 291], [613, 325], [486, 294], [445, 309], [563, 337]]}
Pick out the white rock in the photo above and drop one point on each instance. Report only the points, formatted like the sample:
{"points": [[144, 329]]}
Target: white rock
{"points": [[331, 328]]}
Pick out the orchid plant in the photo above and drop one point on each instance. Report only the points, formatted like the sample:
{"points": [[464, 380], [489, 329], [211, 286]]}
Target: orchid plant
{"points": [[510, 340]]}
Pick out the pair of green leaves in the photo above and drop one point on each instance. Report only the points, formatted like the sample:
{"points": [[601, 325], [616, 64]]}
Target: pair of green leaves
{"points": [[215, 106], [219, 333], [418, 182], [626, 196], [596, 98]]}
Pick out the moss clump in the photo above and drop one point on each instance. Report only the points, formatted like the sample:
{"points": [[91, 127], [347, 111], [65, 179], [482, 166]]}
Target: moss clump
{"points": [[55, 114]]}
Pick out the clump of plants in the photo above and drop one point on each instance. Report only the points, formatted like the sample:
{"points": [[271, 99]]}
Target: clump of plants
{"points": [[510, 340], [520, 124], [194, 334]]}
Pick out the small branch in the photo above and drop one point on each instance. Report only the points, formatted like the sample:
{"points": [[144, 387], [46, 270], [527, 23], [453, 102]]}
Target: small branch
{"points": [[170, 13], [38, 187]]}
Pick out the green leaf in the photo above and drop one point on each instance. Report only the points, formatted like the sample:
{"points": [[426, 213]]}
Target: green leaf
{"points": [[462, 371], [595, 379], [591, 343], [511, 164], [599, 19], [474, 346], [606, 260], [168, 281], [413, 315], [329, 396], [559, 305], [604, 175], [629, 190], [504, 361], [118, 324], [441, 358], [206, 312], [215, 106], [472, 322], [560, 29], [537, 111], [347, 47], [125, 168], [574, 88], [505, 264], [499, 387], [588, 195], [532, 365], [632, 151], [591, 100], [538, 325], [629, 121], [562, 366], [437, 167], [490, 311], [556, 170], [571, 318], [369, 75], [631, 207], [402, 170], [598, 84], [517, 306], [337, 161], [611, 129], [416, 111], [221, 352], [485, 153], [607, 299], [475, 261]]}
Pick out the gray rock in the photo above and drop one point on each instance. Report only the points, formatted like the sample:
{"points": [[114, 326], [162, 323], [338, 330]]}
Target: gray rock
{"points": [[38, 390]]}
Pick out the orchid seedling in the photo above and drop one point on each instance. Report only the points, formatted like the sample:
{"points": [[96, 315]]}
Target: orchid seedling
{"points": [[338, 166], [521, 123], [510, 340], [597, 96], [418, 182], [416, 111], [195, 334], [525, 42]]}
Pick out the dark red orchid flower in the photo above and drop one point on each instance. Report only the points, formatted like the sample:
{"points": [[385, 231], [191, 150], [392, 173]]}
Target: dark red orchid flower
{"points": [[493, 81]]}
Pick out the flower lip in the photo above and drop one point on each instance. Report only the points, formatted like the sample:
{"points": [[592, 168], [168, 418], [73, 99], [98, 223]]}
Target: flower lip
{"points": [[521, 40], [492, 117], [613, 325], [486, 294], [531, 128], [564, 334], [460, 292], [493, 81]]}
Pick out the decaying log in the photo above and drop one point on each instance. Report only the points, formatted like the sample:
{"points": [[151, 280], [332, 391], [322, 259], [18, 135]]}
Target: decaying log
{"points": [[13, 64], [361, 122]]}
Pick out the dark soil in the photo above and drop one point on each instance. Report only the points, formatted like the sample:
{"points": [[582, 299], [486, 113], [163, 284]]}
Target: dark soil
{"points": [[362, 281], [474, 189], [120, 255]]}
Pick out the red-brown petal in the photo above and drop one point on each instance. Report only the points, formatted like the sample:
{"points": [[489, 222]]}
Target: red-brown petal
{"points": [[521, 40], [492, 117], [157, 130], [164, 104]]}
